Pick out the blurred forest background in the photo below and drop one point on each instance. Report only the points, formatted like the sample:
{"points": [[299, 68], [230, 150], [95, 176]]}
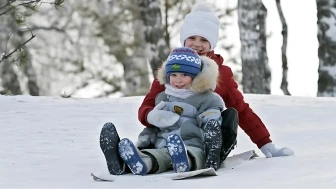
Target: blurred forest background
{"points": [[112, 48]]}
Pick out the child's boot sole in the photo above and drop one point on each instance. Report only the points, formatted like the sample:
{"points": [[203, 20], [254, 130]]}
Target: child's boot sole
{"points": [[213, 141], [109, 140], [178, 153], [129, 153]]}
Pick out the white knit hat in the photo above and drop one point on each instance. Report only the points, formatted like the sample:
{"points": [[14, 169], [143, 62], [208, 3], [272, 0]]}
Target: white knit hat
{"points": [[201, 21]]}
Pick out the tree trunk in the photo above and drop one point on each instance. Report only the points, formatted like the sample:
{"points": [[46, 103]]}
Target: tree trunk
{"points": [[136, 70], [130, 53], [326, 22], [12, 77], [9, 79], [284, 82], [29, 71], [27, 66], [256, 73], [8, 76], [157, 48]]}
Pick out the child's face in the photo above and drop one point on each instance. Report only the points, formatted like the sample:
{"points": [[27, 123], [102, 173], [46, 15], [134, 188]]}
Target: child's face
{"points": [[198, 43], [180, 80]]}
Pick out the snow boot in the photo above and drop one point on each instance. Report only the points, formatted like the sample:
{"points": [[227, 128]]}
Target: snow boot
{"points": [[138, 162], [213, 144], [109, 140], [178, 153]]}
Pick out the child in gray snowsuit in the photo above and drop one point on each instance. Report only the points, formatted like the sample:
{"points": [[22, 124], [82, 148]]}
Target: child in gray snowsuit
{"points": [[186, 119]]}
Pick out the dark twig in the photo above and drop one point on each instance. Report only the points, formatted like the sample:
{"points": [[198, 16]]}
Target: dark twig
{"points": [[284, 82], [6, 56]]}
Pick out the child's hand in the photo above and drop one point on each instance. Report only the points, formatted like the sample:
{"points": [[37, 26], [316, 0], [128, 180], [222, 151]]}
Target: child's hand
{"points": [[162, 118]]}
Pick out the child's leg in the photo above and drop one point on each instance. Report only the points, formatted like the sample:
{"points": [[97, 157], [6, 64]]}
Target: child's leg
{"points": [[213, 142], [109, 140], [138, 162], [229, 131], [178, 154], [160, 158], [196, 158]]}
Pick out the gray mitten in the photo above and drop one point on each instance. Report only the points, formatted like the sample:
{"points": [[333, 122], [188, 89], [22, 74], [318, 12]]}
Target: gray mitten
{"points": [[147, 137], [269, 150]]}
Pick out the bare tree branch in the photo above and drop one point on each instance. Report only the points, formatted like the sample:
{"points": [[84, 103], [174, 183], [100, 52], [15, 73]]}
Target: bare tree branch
{"points": [[25, 4], [284, 82], [28, 5], [6, 56], [8, 2]]}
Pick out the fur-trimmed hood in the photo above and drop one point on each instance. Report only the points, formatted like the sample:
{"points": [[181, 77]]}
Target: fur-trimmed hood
{"points": [[206, 80]]}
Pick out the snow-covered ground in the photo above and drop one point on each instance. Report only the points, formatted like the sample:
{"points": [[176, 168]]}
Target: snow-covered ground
{"points": [[52, 142]]}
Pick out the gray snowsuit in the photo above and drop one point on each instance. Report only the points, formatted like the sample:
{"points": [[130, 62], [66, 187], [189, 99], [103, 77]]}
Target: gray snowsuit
{"points": [[195, 111]]}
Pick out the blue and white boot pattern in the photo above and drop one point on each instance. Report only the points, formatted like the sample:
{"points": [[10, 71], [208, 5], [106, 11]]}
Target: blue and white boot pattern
{"points": [[129, 153], [178, 153]]}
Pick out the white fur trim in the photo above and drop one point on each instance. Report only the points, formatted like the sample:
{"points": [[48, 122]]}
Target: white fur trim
{"points": [[208, 78], [161, 74]]}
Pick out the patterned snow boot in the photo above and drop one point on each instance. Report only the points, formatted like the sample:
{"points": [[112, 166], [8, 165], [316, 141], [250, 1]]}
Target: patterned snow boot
{"points": [[109, 140], [178, 153], [138, 162], [213, 144]]}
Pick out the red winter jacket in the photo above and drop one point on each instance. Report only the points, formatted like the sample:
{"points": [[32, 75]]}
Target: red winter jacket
{"points": [[228, 90]]}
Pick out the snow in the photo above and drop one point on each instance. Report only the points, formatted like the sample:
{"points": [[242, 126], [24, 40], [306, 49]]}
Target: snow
{"points": [[52, 142]]}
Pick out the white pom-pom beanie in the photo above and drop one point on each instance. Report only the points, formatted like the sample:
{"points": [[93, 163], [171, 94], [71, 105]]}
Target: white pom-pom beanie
{"points": [[201, 21]]}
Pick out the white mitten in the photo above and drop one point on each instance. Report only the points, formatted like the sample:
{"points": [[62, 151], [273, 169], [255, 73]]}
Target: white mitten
{"points": [[269, 150], [162, 118]]}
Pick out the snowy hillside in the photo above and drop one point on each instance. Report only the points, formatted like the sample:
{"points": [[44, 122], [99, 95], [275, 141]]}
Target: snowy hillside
{"points": [[52, 142]]}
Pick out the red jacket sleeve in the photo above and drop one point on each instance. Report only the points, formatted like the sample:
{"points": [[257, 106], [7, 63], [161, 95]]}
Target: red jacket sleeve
{"points": [[149, 102], [248, 120]]}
